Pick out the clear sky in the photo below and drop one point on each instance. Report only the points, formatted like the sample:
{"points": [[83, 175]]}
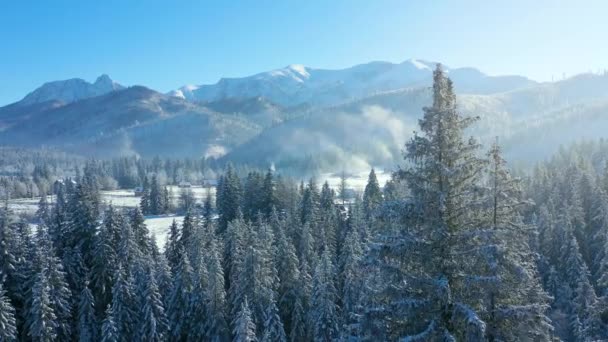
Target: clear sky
{"points": [[167, 44]]}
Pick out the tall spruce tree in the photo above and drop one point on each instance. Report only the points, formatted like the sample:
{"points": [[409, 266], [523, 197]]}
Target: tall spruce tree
{"points": [[228, 199], [41, 322], [179, 303], [372, 195], [324, 311], [87, 326], [216, 324], [428, 259], [151, 319]]}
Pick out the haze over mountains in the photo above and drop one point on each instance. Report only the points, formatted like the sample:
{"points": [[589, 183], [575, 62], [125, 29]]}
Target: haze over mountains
{"points": [[303, 118]]}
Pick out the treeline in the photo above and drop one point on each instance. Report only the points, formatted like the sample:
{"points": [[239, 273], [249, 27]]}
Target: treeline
{"points": [[451, 249], [26, 173]]}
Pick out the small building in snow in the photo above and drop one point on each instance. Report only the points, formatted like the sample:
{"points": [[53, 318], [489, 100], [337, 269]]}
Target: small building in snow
{"points": [[139, 191]]}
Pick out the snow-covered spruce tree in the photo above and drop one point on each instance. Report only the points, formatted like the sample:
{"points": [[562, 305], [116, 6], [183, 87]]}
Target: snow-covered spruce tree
{"points": [[287, 264], [124, 310], [109, 329], [144, 203], [256, 273], [252, 195], [350, 283], [164, 279], [141, 234], [310, 203], [9, 258], [43, 213], [228, 199], [172, 246], [58, 217], [207, 214], [323, 308], [87, 326], [244, 327], [198, 302], [106, 259], [179, 303], [515, 305], [216, 324], [189, 240], [152, 324], [41, 320], [157, 205], [8, 323], [127, 251], [372, 196], [269, 199], [273, 326], [306, 245], [298, 321], [428, 255], [60, 297], [234, 249], [83, 212]]}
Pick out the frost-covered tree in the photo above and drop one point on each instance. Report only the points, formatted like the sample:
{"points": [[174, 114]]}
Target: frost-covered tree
{"points": [[515, 302], [87, 326], [372, 196], [59, 294], [287, 264], [151, 320], [228, 199], [216, 324], [109, 328], [164, 279], [244, 326], [426, 255], [141, 234], [172, 246], [8, 254], [273, 326], [179, 303], [124, 310], [256, 273], [41, 321], [324, 311], [351, 282], [106, 258], [269, 199], [8, 323]]}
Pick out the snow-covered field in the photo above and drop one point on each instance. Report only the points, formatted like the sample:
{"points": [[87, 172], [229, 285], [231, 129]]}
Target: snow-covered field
{"points": [[355, 181], [118, 198], [158, 225]]}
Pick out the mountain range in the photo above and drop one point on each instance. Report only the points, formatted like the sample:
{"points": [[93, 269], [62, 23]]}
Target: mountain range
{"points": [[303, 118]]}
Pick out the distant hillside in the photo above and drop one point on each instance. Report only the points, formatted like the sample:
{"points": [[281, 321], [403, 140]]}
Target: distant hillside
{"points": [[302, 118]]}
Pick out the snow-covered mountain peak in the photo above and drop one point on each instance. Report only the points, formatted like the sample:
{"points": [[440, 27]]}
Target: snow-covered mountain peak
{"points": [[297, 84], [422, 65], [105, 82], [71, 90], [300, 69]]}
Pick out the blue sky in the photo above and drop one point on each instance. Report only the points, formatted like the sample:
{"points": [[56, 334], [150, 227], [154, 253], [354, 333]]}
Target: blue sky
{"points": [[166, 44]]}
